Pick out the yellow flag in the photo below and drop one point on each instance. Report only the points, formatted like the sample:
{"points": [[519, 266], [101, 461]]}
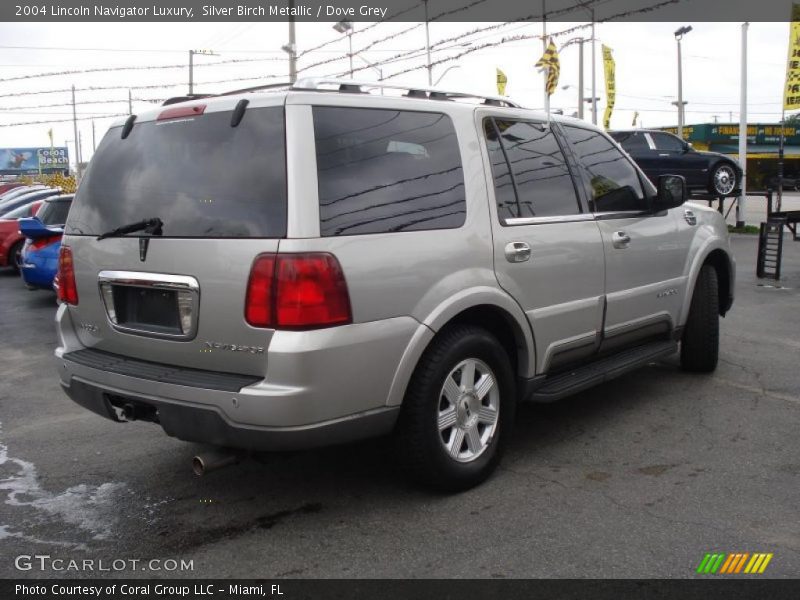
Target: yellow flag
{"points": [[611, 85], [502, 80], [550, 63], [791, 95]]}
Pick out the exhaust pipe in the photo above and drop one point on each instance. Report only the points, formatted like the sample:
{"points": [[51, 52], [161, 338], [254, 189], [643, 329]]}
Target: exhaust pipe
{"points": [[214, 459]]}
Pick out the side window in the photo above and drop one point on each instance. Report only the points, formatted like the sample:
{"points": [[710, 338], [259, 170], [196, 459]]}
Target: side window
{"points": [[613, 180], [667, 142], [383, 171], [632, 140], [539, 183]]}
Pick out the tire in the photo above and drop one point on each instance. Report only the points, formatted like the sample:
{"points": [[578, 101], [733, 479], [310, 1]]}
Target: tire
{"points": [[15, 256], [453, 441], [700, 341], [723, 179]]}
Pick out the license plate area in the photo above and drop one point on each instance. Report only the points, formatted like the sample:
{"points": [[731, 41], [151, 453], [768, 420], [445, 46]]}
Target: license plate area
{"points": [[151, 304]]}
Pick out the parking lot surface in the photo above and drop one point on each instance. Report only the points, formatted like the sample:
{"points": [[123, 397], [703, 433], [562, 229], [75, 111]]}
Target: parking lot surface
{"points": [[639, 477]]}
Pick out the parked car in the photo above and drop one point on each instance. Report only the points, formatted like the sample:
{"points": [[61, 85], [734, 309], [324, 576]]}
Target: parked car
{"points": [[39, 257], [661, 153], [345, 265], [11, 240], [6, 186], [18, 191], [23, 199]]}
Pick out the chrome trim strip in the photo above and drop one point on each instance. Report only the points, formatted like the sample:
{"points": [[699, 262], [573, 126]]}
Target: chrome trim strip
{"points": [[183, 285], [554, 219]]}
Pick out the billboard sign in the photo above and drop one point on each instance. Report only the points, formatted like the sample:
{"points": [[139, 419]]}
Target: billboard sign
{"points": [[31, 161]]}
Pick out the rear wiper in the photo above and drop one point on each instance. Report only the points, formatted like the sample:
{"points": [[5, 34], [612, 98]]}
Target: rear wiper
{"points": [[151, 226]]}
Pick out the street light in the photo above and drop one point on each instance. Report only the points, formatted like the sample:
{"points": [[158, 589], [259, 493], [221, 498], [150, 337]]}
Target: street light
{"points": [[679, 33], [446, 71], [191, 65], [347, 27], [374, 67]]}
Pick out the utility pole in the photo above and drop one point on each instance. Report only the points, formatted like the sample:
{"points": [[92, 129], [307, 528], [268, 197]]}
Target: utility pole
{"points": [[580, 78], [94, 139], [679, 33], [428, 45], [191, 65], [75, 132], [742, 200], [594, 75], [130, 102], [545, 72], [292, 47]]}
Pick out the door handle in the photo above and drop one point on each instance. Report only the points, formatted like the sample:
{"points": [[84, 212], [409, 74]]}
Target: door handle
{"points": [[620, 239], [517, 252], [664, 154]]}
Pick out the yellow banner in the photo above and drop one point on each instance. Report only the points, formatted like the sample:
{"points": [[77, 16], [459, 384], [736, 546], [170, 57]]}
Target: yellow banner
{"points": [[611, 84], [502, 80], [791, 93], [550, 63]]}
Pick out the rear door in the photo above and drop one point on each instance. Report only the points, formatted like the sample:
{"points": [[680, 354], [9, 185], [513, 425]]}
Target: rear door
{"points": [[176, 294], [644, 261], [547, 247]]}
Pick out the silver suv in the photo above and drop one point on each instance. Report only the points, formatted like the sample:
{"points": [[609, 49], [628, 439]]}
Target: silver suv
{"points": [[279, 269]]}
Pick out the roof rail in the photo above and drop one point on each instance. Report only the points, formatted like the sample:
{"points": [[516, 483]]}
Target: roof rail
{"points": [[432, 93]]}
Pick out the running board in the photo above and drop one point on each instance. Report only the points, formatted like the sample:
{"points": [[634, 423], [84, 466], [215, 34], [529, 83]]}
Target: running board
{"points": [[571, 382]]}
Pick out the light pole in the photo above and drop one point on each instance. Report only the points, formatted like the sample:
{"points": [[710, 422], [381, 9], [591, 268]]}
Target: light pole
{"points": [[428, 65], [580, 41], [291, 47], [679, 33], [446, 71], [191, 65], [347, 27]]}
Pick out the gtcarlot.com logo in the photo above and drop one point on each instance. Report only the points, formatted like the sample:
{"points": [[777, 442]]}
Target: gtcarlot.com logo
{"points": [[44, 562], [734, 563]]}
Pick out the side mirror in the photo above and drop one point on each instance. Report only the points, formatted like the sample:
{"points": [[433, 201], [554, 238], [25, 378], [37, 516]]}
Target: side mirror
{"points": [[33, 228], [671, 192]]}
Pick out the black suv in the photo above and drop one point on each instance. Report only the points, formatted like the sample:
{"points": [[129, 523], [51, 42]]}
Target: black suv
{"points": [[660, 153]]}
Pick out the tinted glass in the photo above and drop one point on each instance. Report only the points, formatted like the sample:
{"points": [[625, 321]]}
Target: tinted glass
{"points": [[665, 141], [614, 182], [54, 212], [504, 194], [387, 170], [200, 176], [541, 176], [631, 140]]}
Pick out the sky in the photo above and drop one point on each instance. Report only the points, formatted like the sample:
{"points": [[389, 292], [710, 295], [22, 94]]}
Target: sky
{"points": [[645, 55]]}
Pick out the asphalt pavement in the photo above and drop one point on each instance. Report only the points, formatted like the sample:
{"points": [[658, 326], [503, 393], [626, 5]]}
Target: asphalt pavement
{"points": [[639, 477]]}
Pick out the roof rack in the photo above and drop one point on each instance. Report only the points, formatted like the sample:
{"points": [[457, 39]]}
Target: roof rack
{"points": [[362, 87]]}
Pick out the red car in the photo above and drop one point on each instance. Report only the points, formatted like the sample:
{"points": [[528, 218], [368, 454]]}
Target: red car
{"points": [[11, 240], [9, 185]]}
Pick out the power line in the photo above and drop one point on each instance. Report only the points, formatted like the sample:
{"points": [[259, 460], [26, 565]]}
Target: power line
{"points": [[135, 68]]}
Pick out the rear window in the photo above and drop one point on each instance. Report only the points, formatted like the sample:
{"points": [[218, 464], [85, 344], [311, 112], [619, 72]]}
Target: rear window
{"points": [[383, 171], [631, 140], [19, 213], [54, 212], [200, 176]]}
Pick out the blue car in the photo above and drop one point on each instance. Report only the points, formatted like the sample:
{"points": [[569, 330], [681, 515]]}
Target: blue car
{"points": [[39, 262]]}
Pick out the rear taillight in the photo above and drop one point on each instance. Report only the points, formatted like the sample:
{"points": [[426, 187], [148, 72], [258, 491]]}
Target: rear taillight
{"points": [[39, 243], [67, 290], [297, 291]]}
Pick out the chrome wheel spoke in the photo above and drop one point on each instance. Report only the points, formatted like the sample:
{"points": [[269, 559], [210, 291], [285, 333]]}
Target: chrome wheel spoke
{"points": [[484, 385], [456, 440], [487, 415], [451, 391], [468, 375], [474, 439], [447, 418]]}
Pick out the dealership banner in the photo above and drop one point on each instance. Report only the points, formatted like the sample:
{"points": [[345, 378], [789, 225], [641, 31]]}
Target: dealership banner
{"points": [[30, 161], [791, 94], [611, 84]]}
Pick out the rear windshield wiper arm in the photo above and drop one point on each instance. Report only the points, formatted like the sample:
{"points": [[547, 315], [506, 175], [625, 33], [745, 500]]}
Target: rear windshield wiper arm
{"points": [[151, 226]]}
